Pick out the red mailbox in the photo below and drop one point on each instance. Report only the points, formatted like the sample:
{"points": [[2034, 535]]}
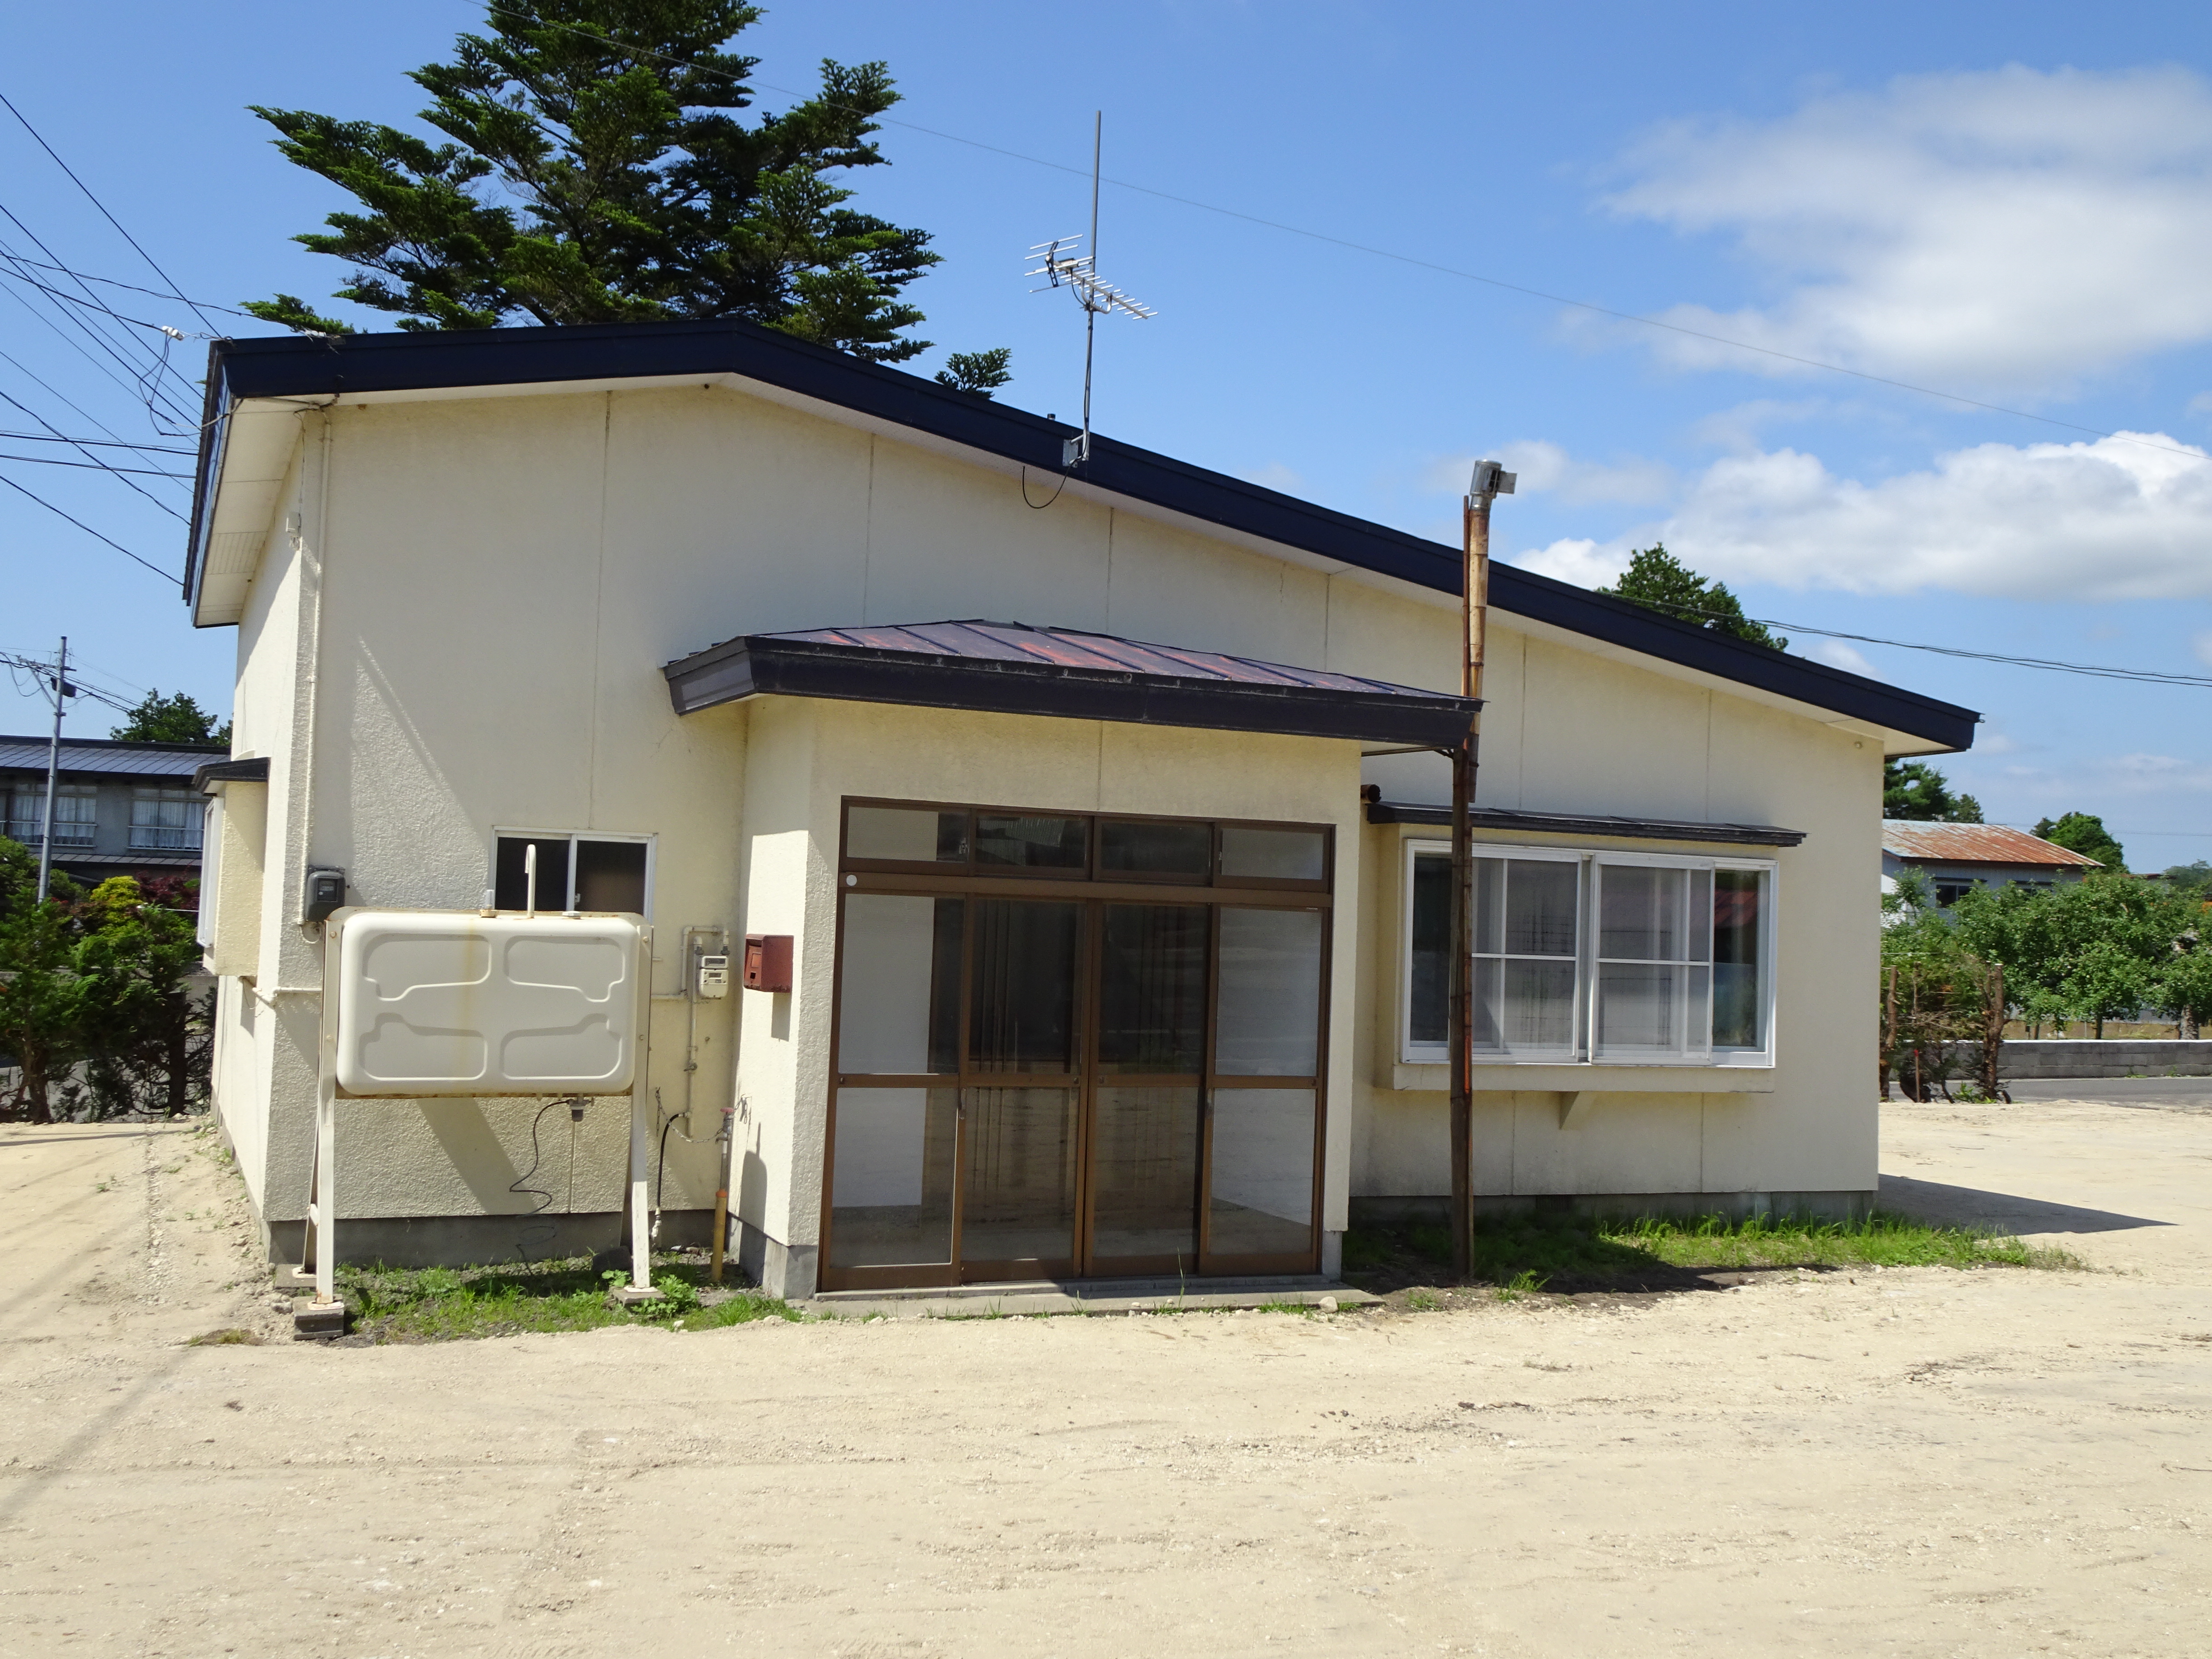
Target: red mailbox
{"points": [[768, 962]]}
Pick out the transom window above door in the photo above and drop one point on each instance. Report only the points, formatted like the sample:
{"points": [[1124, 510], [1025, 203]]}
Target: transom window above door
{"points": [[984, 840]]}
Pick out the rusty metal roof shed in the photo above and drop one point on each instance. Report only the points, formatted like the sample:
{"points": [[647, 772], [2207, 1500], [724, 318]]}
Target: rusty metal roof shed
{"points": [[1976, 843]]}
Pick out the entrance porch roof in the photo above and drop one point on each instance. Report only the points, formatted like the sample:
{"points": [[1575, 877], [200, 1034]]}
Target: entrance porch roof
{"points": [[1014, 668]]}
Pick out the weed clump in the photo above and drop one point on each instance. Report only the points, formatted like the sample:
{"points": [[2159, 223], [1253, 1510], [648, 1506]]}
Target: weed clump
{"points": [[443, 1304]]}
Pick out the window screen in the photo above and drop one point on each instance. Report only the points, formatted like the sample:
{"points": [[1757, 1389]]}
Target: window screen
{"points": [[575, 873], [1528, 916]]}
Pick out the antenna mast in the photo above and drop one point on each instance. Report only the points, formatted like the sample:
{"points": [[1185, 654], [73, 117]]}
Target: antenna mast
{"points": [[1062, 267]]}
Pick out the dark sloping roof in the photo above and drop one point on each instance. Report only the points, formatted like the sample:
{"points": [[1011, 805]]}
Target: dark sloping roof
{"points": [[295, 366], [1015, 668], [1573, 823], [1977, 843], [252, 770], [155, 761]]}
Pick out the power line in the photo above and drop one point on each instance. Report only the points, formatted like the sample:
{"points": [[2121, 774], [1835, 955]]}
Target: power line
{"points": [[2140, 675], [89, 456], [98, 443], [110, 281], [1365, 247], [95, 466], [174, 291], [89, 530], [75, 681], [136, 384]]}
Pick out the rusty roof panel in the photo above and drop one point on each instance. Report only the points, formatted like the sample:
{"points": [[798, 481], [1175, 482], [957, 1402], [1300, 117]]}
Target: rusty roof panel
{"points": [[1977, 843]]}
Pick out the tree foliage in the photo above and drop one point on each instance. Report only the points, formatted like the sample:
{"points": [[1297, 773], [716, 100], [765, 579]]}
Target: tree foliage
{"points": [[2084, 833], [1659, 581], [1938, 995], [1915, 790], [599, 171], [176, 718], [2095, 950], [93, 1007]]}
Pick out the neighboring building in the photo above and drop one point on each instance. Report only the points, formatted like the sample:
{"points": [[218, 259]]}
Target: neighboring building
{"points": [[1957, 858], [1115, 931], [120, 809]]}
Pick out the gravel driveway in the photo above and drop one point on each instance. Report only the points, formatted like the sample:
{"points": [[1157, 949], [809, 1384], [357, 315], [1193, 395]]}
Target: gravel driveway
{"points": [[1912, 1462]]}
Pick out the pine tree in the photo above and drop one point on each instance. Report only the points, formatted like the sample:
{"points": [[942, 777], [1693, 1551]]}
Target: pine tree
{"points": [[1915, 790], [599, 172], [1659, 581], [2084, 833], [177, 718]]}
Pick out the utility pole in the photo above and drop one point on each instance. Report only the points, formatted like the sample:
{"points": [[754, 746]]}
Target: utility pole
{"points": [[1490, 482], [63, 690]]}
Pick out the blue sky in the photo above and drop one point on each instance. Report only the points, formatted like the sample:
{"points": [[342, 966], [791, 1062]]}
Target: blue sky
{"points": [[2009, 204]]}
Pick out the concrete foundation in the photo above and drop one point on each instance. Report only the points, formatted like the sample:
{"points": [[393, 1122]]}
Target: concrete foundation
{"points": [[1422, 1209]]}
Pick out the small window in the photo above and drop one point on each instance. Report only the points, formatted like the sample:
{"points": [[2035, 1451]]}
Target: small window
{"points": [[1948, 893], [906, 835], [1019, 841], [1165, 850], [1249, 853], [575, 873]]}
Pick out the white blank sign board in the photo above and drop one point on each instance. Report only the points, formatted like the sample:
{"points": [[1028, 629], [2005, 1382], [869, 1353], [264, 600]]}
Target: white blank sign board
{"points": [[444, 1003]]}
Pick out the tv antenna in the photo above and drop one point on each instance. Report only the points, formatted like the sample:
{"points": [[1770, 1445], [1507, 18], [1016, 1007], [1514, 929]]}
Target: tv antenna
{"points": [[1062, 266]]}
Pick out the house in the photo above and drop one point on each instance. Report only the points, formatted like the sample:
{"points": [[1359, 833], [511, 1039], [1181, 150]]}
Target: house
{"points": [[120, 808], [1089, 825], [1957, 858]]}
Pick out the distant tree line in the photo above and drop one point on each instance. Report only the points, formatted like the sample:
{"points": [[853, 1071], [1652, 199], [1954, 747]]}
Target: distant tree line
{"points": [[2107, 947]]}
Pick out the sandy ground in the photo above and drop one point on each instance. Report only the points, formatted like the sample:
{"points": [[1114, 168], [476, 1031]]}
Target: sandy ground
{"points": [[1999, 1463]]}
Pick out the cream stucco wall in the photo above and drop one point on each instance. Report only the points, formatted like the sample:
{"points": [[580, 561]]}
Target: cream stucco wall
{"points": [[458, 626]]}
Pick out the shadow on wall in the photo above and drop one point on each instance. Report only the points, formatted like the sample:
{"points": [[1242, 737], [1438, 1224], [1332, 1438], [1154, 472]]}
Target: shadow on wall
{"points": [[1968, 1207]]}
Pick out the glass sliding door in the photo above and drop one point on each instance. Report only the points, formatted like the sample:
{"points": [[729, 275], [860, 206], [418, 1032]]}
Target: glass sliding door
{"points": [[1146, 1131], [1078, 1051], [1264, 1128]]}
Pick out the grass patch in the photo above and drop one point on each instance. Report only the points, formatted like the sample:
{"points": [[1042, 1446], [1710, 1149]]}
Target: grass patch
{"points": [[1519, 1258], [445, 1304], [230, 1335]]}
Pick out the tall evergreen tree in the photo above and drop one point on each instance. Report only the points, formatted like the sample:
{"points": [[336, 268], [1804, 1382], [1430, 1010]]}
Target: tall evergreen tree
{"points": [[1659, 581], [1914, 790], [177, 718], [2085, 833], [599, 172]]}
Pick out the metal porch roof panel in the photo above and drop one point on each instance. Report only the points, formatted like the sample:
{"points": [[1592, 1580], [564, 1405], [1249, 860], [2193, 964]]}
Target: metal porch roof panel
{"points": [[1068, 673], [1069, 647], [1977, 843], [108, 757]]}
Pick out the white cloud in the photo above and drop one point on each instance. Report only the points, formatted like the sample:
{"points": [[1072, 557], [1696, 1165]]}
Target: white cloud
{"points": [[1837, 654], [2112, 519], [2008, 228]]}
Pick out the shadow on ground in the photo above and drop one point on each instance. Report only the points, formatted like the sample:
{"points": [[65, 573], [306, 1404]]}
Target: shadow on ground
{"points": [[1967, 1206]]}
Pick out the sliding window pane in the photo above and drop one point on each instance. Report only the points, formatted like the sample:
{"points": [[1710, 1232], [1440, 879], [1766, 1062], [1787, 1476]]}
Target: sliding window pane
{"points": [[511, 880], [1007, 841], [1152, 989], [1640, 913], [1272, 854], [1019, 1199], [1269, 1011], [1639, 1005], [1144, 1172], [1165, 848], [906, 835], [1023, 995], [611, 876], [1429, 991], [1542, 905], [892, 1176], [899, 985], [1261, 1203], [1538, 1011], [1738, 1008]]}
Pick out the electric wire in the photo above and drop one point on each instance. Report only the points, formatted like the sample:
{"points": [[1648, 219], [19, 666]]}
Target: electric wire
{"points": [[167, 410], [95, 466], [24, 664], [156, 293], [174, 291], [2139, 676], [109, 343], [1365, 247], [89, 456], [164, 574], [97, 443], [538, 1232]]}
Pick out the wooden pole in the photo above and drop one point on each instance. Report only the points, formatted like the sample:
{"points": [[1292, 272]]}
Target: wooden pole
{"points": [[1475, 598]]}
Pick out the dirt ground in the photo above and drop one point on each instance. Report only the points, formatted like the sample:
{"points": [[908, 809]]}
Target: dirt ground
{"points": [[1913, 1463]]}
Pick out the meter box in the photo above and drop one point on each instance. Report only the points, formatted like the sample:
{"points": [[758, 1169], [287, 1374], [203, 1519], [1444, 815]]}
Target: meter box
{"points": [[768, 962], [454, 1003], [714, 977]]}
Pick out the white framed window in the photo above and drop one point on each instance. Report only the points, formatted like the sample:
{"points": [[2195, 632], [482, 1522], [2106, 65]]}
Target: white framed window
{"points": [[1587, 958], [577, 869], [165, 820]]}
